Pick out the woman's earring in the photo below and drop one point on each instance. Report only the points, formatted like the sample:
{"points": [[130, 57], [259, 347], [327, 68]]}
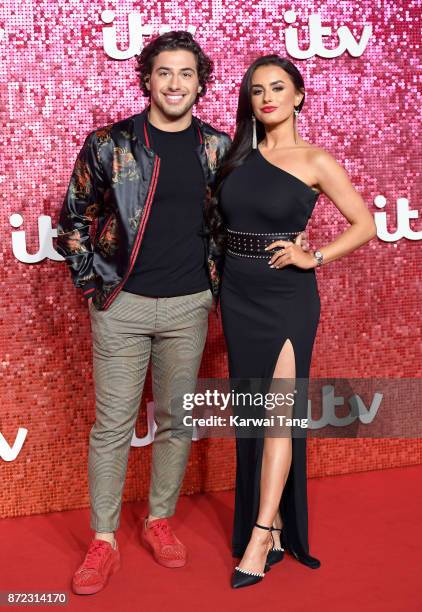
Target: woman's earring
{"points": [[254, 138], [295, 124]]}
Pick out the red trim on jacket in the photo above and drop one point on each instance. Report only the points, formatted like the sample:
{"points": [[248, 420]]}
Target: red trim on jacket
{"points": [[200, 135], [141, 230], [145, 216], [107, 223], [146, 134]]}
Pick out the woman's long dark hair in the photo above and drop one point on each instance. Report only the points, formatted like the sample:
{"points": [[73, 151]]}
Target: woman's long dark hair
{"points": [[242, 141]]}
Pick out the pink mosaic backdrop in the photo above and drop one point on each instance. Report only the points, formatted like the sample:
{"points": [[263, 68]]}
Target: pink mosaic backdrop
{"points": [[58, 83]]}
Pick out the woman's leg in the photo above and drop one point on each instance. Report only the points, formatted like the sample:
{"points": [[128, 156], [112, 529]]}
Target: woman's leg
{"points": [[276, 462]]}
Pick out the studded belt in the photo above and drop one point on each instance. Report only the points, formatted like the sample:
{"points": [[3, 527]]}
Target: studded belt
{"points": [[246, 244]]}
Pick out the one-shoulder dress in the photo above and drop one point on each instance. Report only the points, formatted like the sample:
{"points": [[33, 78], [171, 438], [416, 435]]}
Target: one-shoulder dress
{"points": [[261, 308]]}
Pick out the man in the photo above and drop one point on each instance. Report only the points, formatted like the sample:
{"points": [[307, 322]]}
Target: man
{"points": [[149, 274]]}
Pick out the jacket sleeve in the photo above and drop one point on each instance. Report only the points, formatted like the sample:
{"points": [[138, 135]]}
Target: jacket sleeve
{"points": [[82, 204], [227, 143]]}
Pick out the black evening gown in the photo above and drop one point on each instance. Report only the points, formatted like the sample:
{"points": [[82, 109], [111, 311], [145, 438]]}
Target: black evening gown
{"points": [[262, 307]]}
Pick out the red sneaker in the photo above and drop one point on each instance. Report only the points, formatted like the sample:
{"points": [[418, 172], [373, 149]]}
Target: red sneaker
{"points": [[101, 561], [159, 538]]}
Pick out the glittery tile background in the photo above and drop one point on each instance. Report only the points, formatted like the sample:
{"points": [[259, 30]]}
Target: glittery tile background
{"points": [[57, 84]]}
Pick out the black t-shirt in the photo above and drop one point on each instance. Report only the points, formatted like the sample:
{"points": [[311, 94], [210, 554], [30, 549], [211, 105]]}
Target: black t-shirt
{"points": [[172, 257]]}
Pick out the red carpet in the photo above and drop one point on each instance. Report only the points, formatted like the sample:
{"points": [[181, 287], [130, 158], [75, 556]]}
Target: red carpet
{"points": [[364, 527]]}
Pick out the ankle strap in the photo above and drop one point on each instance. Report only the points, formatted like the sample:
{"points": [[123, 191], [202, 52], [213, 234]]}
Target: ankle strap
{"points": [[276, 529], [262, 527]]}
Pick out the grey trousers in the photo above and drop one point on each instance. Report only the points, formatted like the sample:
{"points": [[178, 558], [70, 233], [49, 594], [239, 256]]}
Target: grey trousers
{"points": [[172, 332]]}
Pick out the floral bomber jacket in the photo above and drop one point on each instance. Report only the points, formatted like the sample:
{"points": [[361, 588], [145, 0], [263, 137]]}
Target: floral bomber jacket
{"points": [[108, 201]]}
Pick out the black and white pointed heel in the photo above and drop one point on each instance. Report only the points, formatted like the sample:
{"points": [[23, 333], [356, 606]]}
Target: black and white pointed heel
{"points": [[243, 578], [276, 554]]}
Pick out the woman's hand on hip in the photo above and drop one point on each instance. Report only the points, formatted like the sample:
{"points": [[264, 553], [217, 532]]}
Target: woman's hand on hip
{"points": [[291, 254]]}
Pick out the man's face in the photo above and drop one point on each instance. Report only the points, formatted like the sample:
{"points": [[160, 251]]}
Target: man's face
{"points": [[174, 83]]}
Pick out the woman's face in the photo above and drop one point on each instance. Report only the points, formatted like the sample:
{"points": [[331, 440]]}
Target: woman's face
{"points": [[273, 95]]}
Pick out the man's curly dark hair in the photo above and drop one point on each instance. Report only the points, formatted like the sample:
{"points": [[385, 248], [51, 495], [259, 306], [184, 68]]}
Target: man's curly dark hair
{"points": [[171, 41]]}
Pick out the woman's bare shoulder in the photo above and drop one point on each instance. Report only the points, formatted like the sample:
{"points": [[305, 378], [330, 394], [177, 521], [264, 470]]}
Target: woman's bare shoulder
{"points": [[319, 153], [319, 157]]}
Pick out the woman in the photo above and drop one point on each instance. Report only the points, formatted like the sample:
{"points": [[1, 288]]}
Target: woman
{"points": [[266, 192]]}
